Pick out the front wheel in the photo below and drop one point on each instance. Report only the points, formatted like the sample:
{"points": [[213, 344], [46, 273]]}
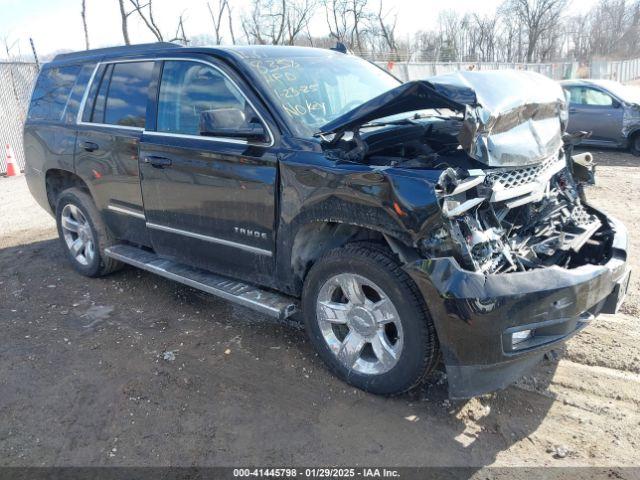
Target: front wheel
{"points": [[367, 320]]}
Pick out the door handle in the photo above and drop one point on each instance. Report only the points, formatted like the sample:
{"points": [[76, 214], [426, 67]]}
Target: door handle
{"points": [[90, 146], [157, 162], [572, 110]]}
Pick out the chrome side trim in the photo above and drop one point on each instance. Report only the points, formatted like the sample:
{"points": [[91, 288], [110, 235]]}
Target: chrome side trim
{"points": [[207, 238], [108, 125], [126, 211], [198, 137], [176, 59]]}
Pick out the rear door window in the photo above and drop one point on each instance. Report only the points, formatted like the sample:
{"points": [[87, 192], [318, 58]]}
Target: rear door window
{"points": [[52, 91], [127, 94]]}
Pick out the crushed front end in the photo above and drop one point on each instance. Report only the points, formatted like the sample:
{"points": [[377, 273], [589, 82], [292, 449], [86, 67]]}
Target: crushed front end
{"points": [[516, 219], [520, 260], [518, 263], [511, 259]]}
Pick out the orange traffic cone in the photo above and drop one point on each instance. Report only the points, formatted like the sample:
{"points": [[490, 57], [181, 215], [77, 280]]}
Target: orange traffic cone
{"points": [[12, 167]]}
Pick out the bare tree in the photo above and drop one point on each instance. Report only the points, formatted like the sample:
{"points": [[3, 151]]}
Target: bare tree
{"points": [[298, 15], [614, 28], [147, 17], [265, 24], [485, 36], [632, 35], [216, 18], [277, 22], [124, 16], [145, 12], [577, 28], [230, 22], [83, 14], [540, 18], [337, 20], [387, 30], [359, 14], [520, 30], [451, 29], [347, 21], [180, 36]]}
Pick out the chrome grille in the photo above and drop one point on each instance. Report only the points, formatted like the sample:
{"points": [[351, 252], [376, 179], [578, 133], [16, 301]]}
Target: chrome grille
{"points": [[581, 217], [516, 177]]}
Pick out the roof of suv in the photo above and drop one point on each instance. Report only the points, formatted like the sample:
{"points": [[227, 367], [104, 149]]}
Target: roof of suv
{"points": [[163, 48]]}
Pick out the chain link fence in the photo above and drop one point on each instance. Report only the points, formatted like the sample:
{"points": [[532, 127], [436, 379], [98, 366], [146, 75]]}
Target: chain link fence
{"points": [[16, 82], [622, 71], [417, 70]]}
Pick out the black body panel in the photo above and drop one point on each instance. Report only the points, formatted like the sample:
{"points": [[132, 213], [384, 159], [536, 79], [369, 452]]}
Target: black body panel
{"points": [[474, 314], [107, 158], [216, 190], [255, 211]]}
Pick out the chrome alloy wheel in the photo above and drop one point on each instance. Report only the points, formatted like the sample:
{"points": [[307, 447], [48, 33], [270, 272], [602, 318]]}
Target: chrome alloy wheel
{"points": [[359, 323], [77, 234]]}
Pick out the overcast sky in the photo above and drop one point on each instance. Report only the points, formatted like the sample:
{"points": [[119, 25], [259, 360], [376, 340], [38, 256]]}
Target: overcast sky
{"points": [[56, 25]]}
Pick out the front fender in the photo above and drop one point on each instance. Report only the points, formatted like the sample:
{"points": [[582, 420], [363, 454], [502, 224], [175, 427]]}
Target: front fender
{"points": [[395, 202]]}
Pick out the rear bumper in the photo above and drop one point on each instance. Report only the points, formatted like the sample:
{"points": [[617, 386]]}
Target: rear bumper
{"points": [[476, 315]]}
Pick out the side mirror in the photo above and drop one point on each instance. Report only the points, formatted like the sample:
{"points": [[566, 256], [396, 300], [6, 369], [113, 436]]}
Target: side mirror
{"points": [[230, 123]]}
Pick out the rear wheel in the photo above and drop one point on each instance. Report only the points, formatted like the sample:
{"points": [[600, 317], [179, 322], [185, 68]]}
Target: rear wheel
{"points": [[367, 320], [83, 234]]}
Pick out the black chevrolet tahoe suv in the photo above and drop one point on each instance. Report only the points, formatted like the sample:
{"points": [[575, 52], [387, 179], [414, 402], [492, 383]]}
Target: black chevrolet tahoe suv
{"points": [[409, 223]]}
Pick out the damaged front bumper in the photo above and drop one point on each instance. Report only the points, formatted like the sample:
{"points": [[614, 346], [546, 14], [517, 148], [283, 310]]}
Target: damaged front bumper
{"points": [[493, 327]]}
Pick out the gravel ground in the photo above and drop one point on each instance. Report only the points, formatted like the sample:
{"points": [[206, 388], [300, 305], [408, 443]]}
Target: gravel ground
{"points": [[135, 370]]}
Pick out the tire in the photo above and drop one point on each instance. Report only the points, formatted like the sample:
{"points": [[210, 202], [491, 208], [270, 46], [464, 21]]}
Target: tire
{"points": [[634, 144], [75, 210], [333, 321]]}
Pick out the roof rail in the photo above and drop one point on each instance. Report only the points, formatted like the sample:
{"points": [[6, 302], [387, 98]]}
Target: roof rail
{"points": [[124, 49]]}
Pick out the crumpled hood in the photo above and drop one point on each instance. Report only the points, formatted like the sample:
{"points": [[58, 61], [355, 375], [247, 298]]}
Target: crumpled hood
{"points": [[511, 118], [519, 118], [410, 96]]}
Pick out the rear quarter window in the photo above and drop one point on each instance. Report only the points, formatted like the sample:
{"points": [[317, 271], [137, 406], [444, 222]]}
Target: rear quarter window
{"points": [[51, 93], [127, 95], [118, 94]]}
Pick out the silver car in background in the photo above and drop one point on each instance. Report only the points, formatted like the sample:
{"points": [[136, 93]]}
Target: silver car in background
{"points": [[607, 109]]}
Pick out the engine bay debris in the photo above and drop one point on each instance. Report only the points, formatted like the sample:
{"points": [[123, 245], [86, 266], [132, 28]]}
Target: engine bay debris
{"points": [[508, 220], [510, 191]]}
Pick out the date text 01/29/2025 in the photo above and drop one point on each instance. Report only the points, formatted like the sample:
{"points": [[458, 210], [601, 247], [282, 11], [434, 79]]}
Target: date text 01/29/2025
{"points": [[316, 472]]}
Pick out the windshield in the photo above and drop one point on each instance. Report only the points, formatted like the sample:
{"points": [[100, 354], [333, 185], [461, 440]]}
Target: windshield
{"points": [[626, 93], [316, 89]]}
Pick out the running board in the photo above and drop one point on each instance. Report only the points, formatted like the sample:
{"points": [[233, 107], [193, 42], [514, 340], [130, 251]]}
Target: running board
{"points": [[264, 301]]}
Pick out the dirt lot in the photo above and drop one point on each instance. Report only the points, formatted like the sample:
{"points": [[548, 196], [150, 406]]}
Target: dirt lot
{"points": [[135, 370]]}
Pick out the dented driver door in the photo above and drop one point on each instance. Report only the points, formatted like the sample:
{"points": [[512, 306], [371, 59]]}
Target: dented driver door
{"points": [[209, 201]]}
